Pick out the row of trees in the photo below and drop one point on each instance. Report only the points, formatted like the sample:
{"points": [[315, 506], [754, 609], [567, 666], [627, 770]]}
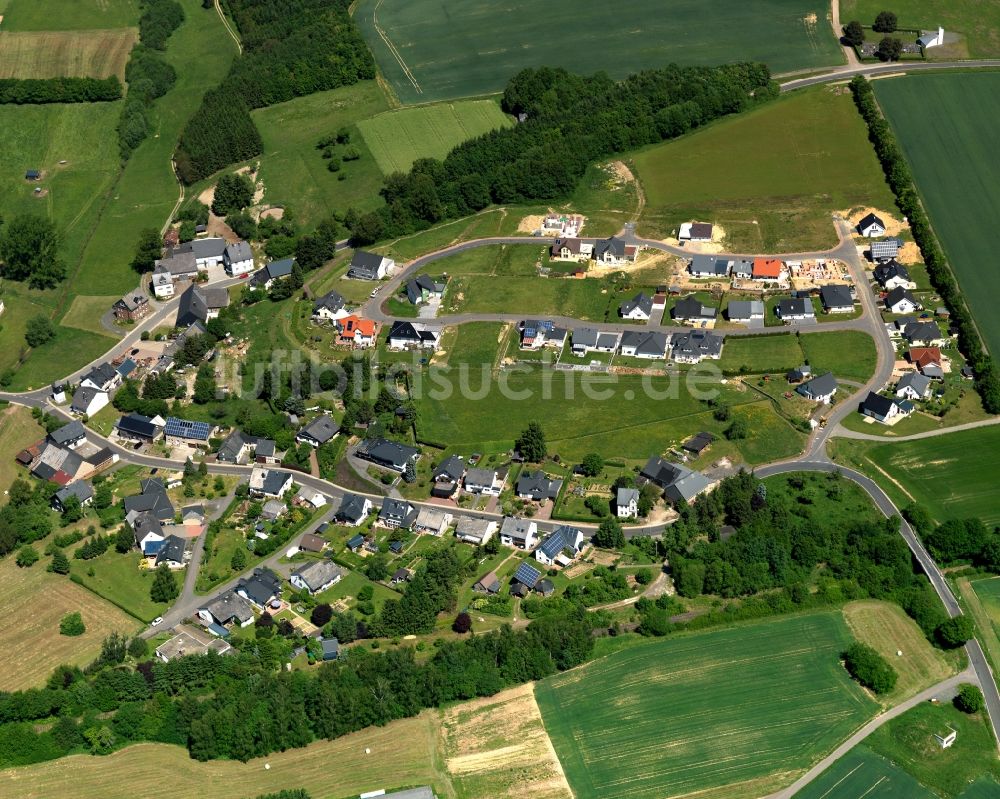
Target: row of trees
{"points": [[570, 122], [149, 76], [301, 47], [28, 91], [900, 180]]}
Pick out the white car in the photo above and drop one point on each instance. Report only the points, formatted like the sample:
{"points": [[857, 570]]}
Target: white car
{"points": [[374, 291], [156, 621]]}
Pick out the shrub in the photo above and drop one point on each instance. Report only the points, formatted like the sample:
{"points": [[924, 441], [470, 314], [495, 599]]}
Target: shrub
{"points": [[72, 625], [462, 623], [969, 698], [321, 615], [953, 633], [869, 668], [27, 556]]}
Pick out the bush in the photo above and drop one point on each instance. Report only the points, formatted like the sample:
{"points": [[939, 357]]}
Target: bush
{"points": [[462, 623], [969, 698], [953, 633], [885, 22], [321, 615], [869, 668], [72, 625], [38, 331], [27, 556]]}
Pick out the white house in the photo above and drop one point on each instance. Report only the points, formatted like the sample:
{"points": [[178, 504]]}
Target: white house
{"points": [[432, 520], [913, 386], [884, 409], [484, 481], [560, 547], [820, 389], [475, 531], [932, 39], [900, 301], [871, 227], [627, 502], [87, 401], [369, 266], [269, 482], [330, 306], [316, 576], [517, 532], [163, 285], [639, 308], [238, 259]]}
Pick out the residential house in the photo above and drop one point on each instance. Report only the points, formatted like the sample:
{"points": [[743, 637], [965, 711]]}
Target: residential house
{"points": [[207, 252], [614, 251], [199, 304], [70, 435], [884, 409], [536, 334], [317, 576], [589, 339], [152, 498], [266, 276], [330, 649], [353, 510], [319, 431], [79, 489], [871, 226], [103, 377], [265, 453], [692, 311], [769, 270], [537, 486], [236, 448], [885, 250], [741, 269], [900, 301], [431, 520], [396, 513], [56, 464], [644, 344], [191, 641], [273, 510], [695, 346], [791, 309], [518, 532], [354, 543], [820, 389], [927, 358], [893, 275], [627, 503], [923, 334], [186, 431], [136, 427], [745, 310], [525, 578], [171, 552], [311, 542], [564, 224], [132, 306], [262, 587], [836, 298], [88, 401], [640, 307], [369, 266], [330, 306], [487, 584], [485, 481], [677, 481], [709, 266], [475, 531], [412, 335], [695, 231], [561, 546], [237, 259], [173, 268], [356, 332], [913, 386], [272, 483], [387, 454], [228, 608], [148, 532], [448, 476], [399, 576], [423, 288], [571, 249]]}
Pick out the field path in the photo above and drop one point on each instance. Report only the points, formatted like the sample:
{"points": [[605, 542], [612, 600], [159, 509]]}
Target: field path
{"points": [[944, 689], [239, 44], [852, 57]]}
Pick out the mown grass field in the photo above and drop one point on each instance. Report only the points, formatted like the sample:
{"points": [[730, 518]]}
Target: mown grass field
{"points": [[70, 54], [17, 431], [847, 353], [735, 712], [861, 774], [119, 579], [982, 598], [949, 152], [618, 416], [434, 51], [34, 602], [68, 15], [770, 177], [398, 138]]}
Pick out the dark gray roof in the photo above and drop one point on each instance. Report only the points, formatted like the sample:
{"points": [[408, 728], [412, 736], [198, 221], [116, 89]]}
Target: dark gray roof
{"points": [[137, 424], [691, 308], [836, 296], [240, 251], [452, 468], [352, 508], [614, 245], [78, 488], [918, 382], [68, 433], [922, 331], [83, 397], [744, 309], [333, 301], [677, 481], [885, 272], [396, 509], [820, 386], [386, 452], [196, 302], [213, 247], [321, 429], [264, 448], [645, 342], [709, 264], [101, 375], [172, 550], [870, 219], [640, 301], [261, 586], [230, 449], [537, 485], [153, 498], [365, 264], [700, 343], [877, 405], [898, 294], [563, 537], [794, 306]]}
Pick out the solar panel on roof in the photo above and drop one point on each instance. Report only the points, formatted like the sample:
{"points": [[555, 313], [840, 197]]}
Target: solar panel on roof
{"points": [[185, 428], [527, 574]]}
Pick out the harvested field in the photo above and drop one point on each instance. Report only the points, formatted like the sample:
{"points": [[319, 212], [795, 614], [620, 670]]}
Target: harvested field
{"points": [[66, 54]]}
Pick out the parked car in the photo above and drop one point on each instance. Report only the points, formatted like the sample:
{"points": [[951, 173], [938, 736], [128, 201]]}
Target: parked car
{"points": [[157, 621]]}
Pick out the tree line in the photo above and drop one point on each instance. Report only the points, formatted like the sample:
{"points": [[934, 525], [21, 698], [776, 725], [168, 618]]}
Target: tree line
{"points": [[569, 122], [900, 180], [36, 91], [158, 20], [290, 49], [149, 76]]}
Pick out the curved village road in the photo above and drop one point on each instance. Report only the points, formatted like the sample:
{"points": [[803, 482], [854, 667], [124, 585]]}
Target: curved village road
{"points": [[843, 432]]}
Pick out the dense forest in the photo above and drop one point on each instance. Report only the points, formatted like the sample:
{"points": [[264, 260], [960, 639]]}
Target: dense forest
{"points": [[35, 91], [569, 122], [290, 49], [158, 20], [897, 173]]}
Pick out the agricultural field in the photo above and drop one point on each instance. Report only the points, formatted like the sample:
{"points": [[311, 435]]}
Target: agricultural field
{"points": [[982, 598], [618, 416], [977, 23], [770, 178], [68, 15], [398, 138], [862, 774], [734, 712], [34, 602], [949, 152], [292, 168], [66, 54], [952, 475], [435, 51]]}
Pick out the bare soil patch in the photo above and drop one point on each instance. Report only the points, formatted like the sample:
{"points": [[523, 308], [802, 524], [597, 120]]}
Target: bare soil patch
{"points": [[893, 226]]}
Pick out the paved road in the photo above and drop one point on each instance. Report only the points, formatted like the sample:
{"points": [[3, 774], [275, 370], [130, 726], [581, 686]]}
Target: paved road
{"points": [[874, 70], [843, 432]]}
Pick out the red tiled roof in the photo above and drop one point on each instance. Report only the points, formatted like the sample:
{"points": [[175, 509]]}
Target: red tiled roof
{"points": [[923, 356], [767, 267]]}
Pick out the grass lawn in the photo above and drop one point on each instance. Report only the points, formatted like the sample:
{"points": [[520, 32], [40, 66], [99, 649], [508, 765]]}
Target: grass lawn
{"points": [[862, 774], [849, 354], [770, 177], [952, 475], [884, 626], [293, 170], [760, 354], [947, 153], [908, 741], [738, 711], [85, 313], [17, 430], [68, 15], [432, 51], [70, 54], [34, 602], [476, 343], [398, 138], [119, 579]]}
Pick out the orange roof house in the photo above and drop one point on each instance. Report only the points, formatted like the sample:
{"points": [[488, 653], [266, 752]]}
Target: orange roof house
{"points": [[925, 356], [353, 328], [767, 268]]}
